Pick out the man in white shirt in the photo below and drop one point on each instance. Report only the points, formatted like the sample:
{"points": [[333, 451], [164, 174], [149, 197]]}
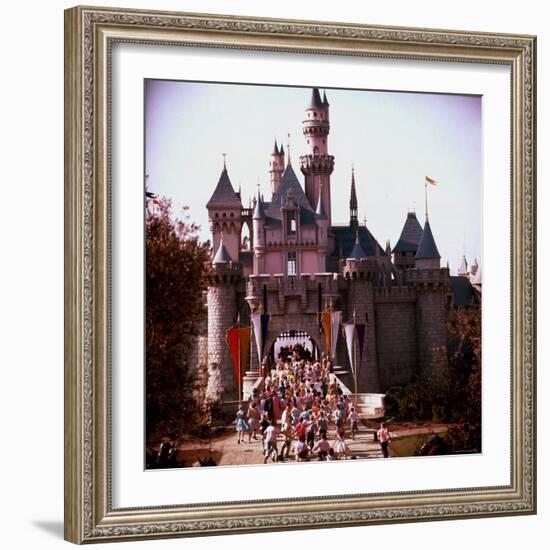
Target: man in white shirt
{"points": [[384, 438], [270, 438]]}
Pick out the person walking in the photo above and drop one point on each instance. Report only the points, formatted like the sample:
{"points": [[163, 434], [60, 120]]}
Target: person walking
{"points": [[270, 436], [240, 425], [253, 420], [384, 438], [353, 419]]}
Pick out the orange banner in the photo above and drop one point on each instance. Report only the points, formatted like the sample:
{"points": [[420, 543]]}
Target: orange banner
{"points": [[244, 337]]}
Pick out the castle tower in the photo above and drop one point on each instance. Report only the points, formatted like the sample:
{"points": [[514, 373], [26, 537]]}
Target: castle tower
{"points": [[317, 166], [433, 284], [222, 314], [258, 220], [225, 215], [276, 166], [407, 245], [353, 216], [322, 222], [358, 270]]}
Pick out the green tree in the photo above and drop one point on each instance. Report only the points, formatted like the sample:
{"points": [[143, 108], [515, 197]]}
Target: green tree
{"points": [[175, 282]]}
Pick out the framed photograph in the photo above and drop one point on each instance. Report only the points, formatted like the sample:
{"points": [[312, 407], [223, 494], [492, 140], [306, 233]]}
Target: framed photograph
{"points": [[300, 274]]}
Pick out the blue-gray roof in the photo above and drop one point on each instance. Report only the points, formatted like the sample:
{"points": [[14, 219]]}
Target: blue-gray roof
{"points": [[464, 293], [427, 247], [259, 213], [222, 255], [410, 235], [289, 182], [224, 195], [315, 102], [344, 241], [357, 252]]}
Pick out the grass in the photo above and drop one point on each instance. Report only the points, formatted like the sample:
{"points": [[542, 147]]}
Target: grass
{"points": [[406, 446]]}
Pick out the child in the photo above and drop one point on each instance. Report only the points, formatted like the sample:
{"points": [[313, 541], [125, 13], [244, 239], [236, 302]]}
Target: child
{"points": [[340, 446], [301, 449], [240, 425], [353, 417]]}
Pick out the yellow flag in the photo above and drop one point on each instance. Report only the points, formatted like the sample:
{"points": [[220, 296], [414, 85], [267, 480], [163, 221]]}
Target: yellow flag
{"points": [[431, 181]]}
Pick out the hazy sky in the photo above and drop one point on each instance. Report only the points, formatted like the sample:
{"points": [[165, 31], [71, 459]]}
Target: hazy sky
{"points": [[393, 139]]}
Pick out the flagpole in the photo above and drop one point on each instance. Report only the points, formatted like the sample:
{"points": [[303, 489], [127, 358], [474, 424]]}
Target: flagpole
{"points": [[426, 198], [239, 356], [354, 360]]}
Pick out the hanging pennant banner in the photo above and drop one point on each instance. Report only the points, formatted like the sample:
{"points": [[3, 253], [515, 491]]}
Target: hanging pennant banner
{"points": [[256, 320], [327, 328], [349, 333], [239, 342], [244, 338], [233, 341], [361, 330], [335, 328], [260, 324]]}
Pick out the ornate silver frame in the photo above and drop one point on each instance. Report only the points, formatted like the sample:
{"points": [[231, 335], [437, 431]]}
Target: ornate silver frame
{"points": [[89, 34]]}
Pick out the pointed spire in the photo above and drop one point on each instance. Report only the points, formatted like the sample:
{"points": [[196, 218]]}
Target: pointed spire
{"points": [[288, 149], [259, 213], [320, 210], [222, 255], [411, 234], [325, 100], [357, 252], [315, 101], [463, 269], [224, 195], [281, 150], [275, 148], [353, 219], [427, 247]]}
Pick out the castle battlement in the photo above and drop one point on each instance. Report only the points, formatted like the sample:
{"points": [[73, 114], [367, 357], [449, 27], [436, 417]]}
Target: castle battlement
{"points": [[394, 294], [428, 277]]}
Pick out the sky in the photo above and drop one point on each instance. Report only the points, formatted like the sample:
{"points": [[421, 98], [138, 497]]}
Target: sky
{"points": [[392, 139]]}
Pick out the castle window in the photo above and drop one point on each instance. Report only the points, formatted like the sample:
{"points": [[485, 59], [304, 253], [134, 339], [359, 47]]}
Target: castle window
{"points": [[291, 263], [316, 150], [291, 222], [315, 115]]}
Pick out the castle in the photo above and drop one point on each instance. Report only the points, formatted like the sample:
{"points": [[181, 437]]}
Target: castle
{"points": [[297, 263]]}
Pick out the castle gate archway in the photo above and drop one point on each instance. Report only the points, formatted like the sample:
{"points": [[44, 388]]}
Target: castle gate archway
{"points": [[291, 338], [300, 325]]}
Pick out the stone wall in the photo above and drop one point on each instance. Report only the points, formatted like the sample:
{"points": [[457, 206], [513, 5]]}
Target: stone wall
{"points": [[359, 297], [396, 342], [431, 329], [222, 312]]}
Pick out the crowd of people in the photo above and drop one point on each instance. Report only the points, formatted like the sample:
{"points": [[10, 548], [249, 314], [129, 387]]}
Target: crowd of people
{"points": [[302, 407]]}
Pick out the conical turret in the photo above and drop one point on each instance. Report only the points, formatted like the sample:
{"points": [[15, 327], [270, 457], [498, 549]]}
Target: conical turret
{"points": [[427, 255]]}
